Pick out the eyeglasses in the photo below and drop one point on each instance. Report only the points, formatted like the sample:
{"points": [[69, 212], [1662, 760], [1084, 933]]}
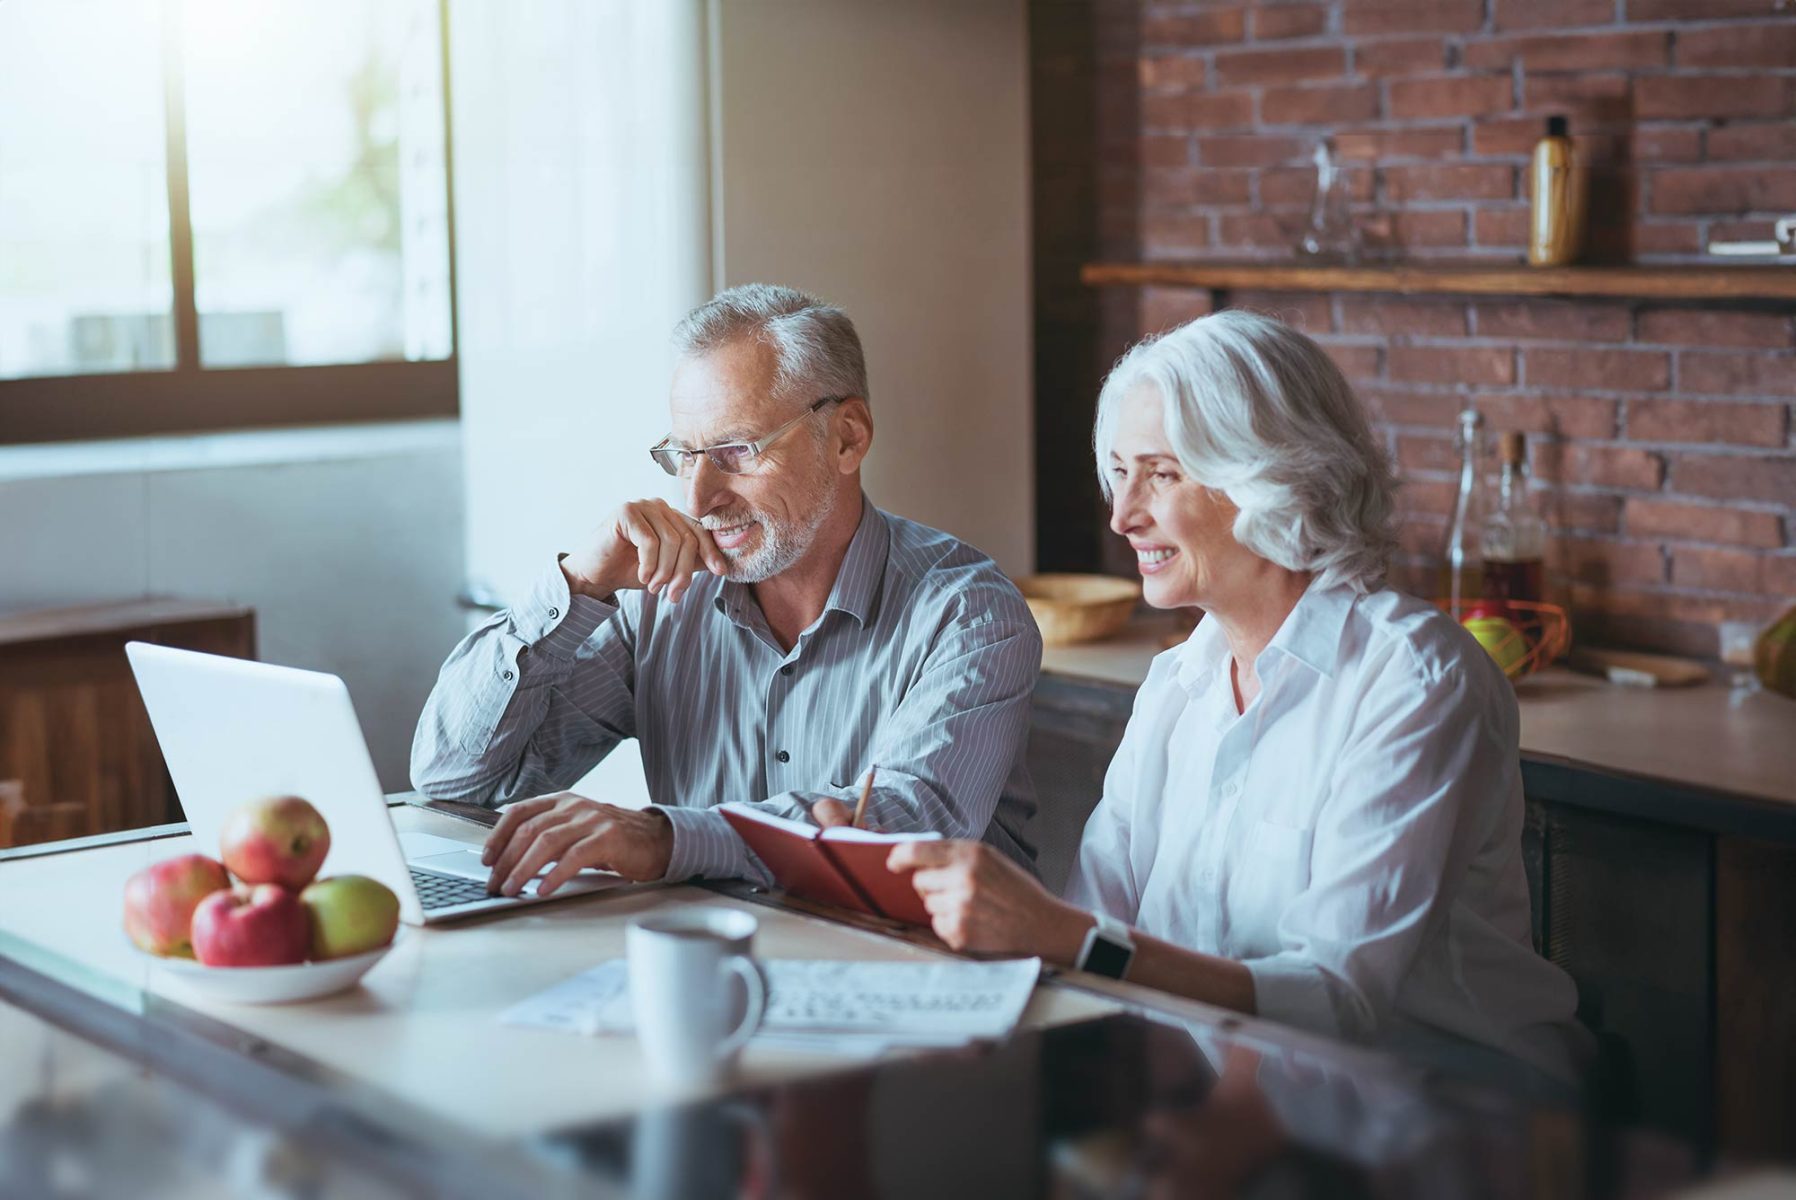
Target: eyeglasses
{"points": [[732, 458]]}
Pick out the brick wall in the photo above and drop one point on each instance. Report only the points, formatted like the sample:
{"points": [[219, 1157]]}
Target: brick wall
{"points": [[1661, 433]]}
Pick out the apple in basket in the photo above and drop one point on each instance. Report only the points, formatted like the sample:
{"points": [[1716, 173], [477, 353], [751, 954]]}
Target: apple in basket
{"points": [[1489, 622], [350, 914], [160, 899], [279, 839], [260, 926]]}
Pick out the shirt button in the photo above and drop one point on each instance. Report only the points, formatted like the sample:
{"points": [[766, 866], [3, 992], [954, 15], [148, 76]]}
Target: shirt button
{"points": [[553, 613], [507, 675], [783, 756], [786, 670]]}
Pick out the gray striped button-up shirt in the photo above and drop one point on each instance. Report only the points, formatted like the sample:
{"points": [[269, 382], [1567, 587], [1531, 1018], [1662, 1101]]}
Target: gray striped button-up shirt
{"points": [[923, 662]]}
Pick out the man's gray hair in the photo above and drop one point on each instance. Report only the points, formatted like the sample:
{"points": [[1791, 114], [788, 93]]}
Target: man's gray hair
{"points": [[818, 351], [1258, 411]]}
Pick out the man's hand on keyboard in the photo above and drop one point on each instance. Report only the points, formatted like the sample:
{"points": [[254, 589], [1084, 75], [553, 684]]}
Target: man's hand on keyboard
{"points": [[574, 832]]}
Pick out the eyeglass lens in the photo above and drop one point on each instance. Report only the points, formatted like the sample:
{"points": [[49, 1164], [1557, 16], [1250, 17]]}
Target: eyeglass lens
{"points": [[731, 460]]}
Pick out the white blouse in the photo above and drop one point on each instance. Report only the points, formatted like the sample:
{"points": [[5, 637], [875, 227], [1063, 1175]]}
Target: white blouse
{"points": [[1353, 838]]}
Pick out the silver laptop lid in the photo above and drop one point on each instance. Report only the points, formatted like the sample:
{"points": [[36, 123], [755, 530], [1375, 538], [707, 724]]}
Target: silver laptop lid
{"points": [[233, 731]]}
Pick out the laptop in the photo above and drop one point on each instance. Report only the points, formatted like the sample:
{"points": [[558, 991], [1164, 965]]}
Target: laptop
{"points": [[233, 731]]}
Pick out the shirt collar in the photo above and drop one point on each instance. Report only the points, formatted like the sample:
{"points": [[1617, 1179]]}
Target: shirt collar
{"points": [[1311, 634], [863, 570], [858, 579], [1201, 656]]}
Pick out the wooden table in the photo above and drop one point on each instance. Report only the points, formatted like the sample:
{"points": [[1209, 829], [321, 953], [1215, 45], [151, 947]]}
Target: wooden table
{"points": [[423, 1027], [410, 1081]]}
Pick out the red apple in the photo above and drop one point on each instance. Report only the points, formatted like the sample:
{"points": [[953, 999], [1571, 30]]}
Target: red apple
{"points": [[351, 914], [263, 926], [280, 839], [160, 899], [1480, 609]]}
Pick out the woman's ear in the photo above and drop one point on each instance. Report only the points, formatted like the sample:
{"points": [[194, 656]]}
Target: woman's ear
{"points": [[854, 430]]}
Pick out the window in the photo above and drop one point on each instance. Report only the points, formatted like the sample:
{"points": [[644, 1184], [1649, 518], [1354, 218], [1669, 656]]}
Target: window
{"points": [[85, 281], [217, 215]]}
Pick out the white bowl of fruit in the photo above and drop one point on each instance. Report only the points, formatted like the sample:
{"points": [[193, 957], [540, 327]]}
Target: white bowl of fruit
{"points": [[256, 925]]}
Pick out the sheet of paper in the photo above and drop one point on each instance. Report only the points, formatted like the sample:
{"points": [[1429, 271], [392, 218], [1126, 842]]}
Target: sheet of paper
{"points": [[859, 1008]]}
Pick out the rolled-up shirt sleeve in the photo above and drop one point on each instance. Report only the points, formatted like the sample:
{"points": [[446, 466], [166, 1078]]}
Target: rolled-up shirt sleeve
{"points": [[1428, 766], [503, 721], [944, 751]]}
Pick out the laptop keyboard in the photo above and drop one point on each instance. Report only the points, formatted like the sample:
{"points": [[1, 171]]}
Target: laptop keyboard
{"points": [[441, 891]]}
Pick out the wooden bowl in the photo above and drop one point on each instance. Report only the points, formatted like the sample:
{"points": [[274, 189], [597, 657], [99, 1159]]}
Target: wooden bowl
{"points": [[1079, 608]]}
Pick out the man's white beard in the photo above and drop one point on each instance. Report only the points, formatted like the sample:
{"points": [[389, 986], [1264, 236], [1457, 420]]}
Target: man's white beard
{"points": [[782, 543]]}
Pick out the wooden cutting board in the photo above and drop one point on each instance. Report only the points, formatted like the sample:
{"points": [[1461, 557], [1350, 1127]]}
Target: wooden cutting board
{"points": [[1632, 668]]}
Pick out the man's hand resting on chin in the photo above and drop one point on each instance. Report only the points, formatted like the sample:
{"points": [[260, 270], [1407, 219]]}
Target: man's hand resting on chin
{"points": [[645, 544]]}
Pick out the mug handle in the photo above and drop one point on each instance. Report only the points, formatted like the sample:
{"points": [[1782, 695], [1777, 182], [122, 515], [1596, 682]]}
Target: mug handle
{"points": [[754, 982]]}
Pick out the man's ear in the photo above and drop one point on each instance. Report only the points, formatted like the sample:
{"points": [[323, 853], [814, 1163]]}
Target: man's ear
{"points": [[854, 429]]}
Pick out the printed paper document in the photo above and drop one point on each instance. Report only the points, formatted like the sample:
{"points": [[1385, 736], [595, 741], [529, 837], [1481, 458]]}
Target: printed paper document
{"points": [[823, 1005]]}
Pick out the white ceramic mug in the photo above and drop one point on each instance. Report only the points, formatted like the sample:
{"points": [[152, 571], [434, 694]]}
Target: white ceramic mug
{"points": [[690, 1020]]}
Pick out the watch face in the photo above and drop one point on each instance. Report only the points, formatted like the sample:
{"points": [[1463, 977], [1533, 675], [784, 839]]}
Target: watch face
{"points": [[1107, 958]]}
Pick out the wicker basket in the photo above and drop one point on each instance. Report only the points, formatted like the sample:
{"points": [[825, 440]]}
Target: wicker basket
{"points": [[1079, 608]]}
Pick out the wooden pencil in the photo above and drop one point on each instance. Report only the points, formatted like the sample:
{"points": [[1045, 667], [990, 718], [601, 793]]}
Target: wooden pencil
{"points": [[860, 810]]}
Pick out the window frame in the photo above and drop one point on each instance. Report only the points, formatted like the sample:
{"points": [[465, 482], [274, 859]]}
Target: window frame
{"points": [[192, 398]]}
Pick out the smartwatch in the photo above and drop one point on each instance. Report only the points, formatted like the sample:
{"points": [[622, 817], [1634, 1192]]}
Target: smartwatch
{"points": [[1107, 949]]}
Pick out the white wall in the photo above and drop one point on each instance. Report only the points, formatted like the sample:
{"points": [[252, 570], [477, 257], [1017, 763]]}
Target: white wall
{"points": [[872, 152], [347, 544], [608, 176], [877, 153], [582, 237]]}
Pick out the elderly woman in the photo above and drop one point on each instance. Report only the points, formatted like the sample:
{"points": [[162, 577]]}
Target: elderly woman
{"points": [[1315, 814]]}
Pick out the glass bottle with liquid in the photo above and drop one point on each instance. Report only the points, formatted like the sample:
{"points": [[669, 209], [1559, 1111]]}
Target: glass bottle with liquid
{"points": [[1515, 537], [1462, 565]]}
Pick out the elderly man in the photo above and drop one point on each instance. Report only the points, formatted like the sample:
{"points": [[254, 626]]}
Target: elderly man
{"points": [[770, 643]]}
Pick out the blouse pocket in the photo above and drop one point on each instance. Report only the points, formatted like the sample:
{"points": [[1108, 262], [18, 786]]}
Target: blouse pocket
{"points": [[1271, 869]]}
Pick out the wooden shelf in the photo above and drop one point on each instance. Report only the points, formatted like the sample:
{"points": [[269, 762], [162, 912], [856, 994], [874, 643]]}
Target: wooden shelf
{"points": [[1463, 279]]}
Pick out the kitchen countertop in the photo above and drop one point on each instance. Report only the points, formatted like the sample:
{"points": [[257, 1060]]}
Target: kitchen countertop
{"points": [[1709, 738]]}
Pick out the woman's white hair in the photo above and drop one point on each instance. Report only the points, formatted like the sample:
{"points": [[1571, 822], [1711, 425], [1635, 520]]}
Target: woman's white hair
{"points": [[1257, 411]]}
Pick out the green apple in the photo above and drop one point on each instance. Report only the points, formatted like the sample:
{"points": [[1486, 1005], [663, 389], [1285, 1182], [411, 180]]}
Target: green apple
{"points": [[350, 914], [1501, 639]]}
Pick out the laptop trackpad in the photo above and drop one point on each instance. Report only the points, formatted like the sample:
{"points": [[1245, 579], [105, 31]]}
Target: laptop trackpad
{"points": [[417, 845], [463, 864]]}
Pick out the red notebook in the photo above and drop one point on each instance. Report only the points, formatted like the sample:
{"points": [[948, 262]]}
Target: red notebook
{"points": [[846, 867]]}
